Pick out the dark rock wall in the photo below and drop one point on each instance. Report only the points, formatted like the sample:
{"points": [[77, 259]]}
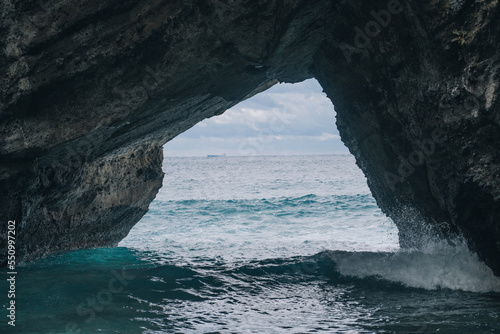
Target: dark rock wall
{"points": [[91, 90], [420, 113]]}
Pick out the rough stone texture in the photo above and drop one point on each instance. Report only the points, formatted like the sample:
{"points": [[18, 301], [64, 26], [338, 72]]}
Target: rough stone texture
{"points": [[91, 90], [421, 115]]}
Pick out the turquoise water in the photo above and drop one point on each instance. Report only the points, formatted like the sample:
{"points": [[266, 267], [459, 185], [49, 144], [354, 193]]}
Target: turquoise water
{"points": [[259, 245]]}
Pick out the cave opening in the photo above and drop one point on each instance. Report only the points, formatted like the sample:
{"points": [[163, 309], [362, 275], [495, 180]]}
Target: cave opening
{"points": [[286, 119], [268, 178]]}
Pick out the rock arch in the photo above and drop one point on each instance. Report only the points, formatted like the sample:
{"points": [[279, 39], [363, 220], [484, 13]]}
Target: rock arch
{"points": [[92, 90]]}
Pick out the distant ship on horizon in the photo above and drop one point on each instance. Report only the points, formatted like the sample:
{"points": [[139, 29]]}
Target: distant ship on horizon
{"points": [[216, 155]]}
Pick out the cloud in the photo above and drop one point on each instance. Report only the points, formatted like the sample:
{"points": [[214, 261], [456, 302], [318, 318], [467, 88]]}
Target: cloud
{"points": [[287, 118]]}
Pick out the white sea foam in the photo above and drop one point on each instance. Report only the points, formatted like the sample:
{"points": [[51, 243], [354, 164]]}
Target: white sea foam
{"points": [[452, 267]]}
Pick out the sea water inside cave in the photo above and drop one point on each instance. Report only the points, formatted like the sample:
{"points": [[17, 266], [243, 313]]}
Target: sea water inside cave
{"points": [[277, 244]]}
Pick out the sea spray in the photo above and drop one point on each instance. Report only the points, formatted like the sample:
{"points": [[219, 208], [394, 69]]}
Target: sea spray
{"points": [[445, 266]]}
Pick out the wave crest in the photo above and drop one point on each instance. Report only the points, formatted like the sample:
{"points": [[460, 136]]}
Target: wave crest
{"points": [[452, 267]]}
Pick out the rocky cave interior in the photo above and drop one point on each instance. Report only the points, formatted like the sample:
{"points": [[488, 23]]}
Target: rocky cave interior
{"points": [[91, 93]]}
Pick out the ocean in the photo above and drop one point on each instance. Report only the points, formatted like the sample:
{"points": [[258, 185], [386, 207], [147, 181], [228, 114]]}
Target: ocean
{"points": [[274, 244]]}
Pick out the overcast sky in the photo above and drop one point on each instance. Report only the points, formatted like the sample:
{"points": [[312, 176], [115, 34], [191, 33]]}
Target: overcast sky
{"points": [[285, 119]]}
